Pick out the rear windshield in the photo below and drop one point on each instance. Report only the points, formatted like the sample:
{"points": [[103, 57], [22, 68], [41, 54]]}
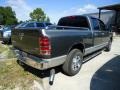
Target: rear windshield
{"points": [[74, 21]]}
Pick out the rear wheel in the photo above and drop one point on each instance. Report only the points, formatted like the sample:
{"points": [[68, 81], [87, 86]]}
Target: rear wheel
{"points": [[73, 62]]}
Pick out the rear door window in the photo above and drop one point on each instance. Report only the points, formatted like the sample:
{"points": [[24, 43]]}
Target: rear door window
{"points": [[39, 24], [30, 25], [102, 26], [95, 24]]}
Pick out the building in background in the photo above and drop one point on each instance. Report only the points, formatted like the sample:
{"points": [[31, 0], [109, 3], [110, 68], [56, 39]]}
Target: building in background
{"points": [[107, 17], [110, 15]]}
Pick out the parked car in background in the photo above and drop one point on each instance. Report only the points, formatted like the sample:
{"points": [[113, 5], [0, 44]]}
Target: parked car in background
{"points": [[1, 29], [33, 25], [6, 35]]}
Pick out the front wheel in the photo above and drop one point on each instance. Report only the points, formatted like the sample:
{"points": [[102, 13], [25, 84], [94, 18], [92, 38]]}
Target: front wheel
{"points": [[108, 47], [73, 62]]}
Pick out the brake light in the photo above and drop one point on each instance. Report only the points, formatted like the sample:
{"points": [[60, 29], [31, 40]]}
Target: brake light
{"points": [[44, 46]]}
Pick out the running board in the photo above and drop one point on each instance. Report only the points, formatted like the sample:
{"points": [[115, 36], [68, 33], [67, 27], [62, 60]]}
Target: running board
{"points": [[87, 58]]}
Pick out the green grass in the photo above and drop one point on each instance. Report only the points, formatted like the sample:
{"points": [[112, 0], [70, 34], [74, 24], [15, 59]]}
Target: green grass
{"points": [[13, 75], [7, 51], [3, 48]]}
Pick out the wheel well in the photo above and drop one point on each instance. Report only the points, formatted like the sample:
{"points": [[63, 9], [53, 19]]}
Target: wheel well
{"points": [[78, 46]]}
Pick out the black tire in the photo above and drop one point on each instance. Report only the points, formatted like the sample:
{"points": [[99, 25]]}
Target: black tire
{"points": [[20, 63], [7, 41], [70, 67], [108, 47], [10, 42]]}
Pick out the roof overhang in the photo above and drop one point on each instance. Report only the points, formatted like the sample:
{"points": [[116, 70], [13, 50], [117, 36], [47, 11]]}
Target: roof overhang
{"points": [[115, 7]]}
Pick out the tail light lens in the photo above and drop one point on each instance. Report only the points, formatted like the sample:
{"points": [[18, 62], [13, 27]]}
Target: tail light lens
{"points": [[44, 46]]}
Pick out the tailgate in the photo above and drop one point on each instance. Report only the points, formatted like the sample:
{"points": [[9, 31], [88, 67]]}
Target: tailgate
{"points": [[26, 40]]}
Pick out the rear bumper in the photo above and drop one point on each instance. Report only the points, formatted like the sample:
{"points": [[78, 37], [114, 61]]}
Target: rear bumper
{"points": [[39, 63]]}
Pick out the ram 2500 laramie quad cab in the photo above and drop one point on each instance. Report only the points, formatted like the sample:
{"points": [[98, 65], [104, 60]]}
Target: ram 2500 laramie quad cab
{"points": [[68, 44]]}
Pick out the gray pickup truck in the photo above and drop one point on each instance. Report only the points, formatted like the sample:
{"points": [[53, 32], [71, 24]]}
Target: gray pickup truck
{"points": [[73, 41]]}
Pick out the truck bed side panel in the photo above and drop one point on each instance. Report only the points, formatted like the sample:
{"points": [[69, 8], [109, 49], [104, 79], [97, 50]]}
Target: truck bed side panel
{"points": [[63, 40]]}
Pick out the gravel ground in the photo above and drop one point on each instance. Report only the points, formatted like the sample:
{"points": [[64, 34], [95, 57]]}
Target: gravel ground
{"points": [[100, 73]]}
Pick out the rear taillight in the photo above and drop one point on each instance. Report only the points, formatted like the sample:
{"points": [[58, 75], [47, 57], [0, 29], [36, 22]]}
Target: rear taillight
{"points": [[44, 46]]}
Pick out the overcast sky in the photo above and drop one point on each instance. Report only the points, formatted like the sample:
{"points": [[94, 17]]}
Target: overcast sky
{"points": [[55, 8]]}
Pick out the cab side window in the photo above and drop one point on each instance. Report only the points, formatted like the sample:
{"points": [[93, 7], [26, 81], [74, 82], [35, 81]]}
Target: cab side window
{"points": [[95, 24]]}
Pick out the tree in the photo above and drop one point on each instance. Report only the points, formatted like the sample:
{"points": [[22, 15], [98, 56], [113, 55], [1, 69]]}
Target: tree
{"points": [[39, 15], [1, 18], [47, 19], [8, 16]]}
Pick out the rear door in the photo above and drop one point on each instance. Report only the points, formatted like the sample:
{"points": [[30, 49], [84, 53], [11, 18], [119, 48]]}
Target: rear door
{"points": [[96, 32], [104, 32]]}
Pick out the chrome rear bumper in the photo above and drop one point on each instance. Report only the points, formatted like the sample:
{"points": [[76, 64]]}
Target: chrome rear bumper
{"points": [[39, 63]]}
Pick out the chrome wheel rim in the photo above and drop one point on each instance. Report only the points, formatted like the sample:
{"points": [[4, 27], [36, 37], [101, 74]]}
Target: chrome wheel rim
{"points": [[76, 63]]}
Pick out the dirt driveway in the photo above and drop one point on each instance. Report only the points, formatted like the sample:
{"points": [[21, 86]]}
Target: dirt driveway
{"points": [[100, 73]]}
